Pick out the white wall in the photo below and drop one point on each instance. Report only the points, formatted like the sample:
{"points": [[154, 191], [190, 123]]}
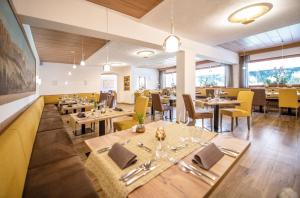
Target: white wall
{"points": [[11, 108], [151, 75], [108, 82], [84, 79]]}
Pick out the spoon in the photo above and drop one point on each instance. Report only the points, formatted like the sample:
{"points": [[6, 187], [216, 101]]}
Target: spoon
{"points": [[188, 170], [140, 144]]}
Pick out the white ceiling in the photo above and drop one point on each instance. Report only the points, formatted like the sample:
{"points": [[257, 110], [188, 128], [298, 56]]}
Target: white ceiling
{"points": [[285, 35], [126, 53], [206, 20]]}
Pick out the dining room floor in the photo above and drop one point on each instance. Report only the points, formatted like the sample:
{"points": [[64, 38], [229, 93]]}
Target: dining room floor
{"points": [[269, 165]]}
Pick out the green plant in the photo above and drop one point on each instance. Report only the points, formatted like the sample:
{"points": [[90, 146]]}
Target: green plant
{"points": [[140, 118]]}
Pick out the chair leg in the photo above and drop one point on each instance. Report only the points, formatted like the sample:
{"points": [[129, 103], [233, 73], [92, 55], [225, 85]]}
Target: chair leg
{"points": [[237, 121], [221, 121], [279, 111], [153, 115], [211, 124], [296, 113], [202, 122], [170, 112], [232, 120], [265, 108], [248, 123]]}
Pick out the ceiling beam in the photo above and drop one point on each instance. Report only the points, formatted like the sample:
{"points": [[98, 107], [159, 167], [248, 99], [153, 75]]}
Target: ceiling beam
{"points": [[270, 49]]}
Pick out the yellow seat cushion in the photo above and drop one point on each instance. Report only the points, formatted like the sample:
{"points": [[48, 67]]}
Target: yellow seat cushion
{"points": [[140, 107], [244, 109], [234, 112], [16, 144], [51, 99], [13, 167], [125, 124], [288, 98]]}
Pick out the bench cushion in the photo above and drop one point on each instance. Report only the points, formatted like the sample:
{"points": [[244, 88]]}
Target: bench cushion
{"points": [[66, 178], [51, 153], [50, 107], [50, 114], [50, 124], [50, 137]]}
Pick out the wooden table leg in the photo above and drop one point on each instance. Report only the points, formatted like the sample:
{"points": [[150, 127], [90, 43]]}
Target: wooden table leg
{"points": [[216, 118], [102, 127], [83, 129]]}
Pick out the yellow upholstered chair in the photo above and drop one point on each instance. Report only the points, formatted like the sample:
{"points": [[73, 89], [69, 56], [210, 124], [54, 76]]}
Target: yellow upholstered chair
{"points": [[140, 107], [243, 110], [288, 98]]}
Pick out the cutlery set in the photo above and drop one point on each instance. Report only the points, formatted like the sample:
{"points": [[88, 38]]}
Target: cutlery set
{"points": [[206, 176], [137, 173]]}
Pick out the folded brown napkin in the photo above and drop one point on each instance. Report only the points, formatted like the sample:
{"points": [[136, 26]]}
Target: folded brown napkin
{"points": [[118, 109], [121, 156], [208, 156], [80, 115]]}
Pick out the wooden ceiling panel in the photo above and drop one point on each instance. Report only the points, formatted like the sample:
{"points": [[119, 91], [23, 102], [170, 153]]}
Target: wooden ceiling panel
{"points": [[61, 47], [274, 38], [134, 8]]}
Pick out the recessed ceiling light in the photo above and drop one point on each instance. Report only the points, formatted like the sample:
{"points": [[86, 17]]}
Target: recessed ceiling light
{"points": [[117, 64], [145, 53], [249, 13], [69, 73]]}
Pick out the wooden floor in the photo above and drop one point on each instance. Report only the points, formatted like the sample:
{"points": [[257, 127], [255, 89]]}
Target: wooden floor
{"points": [[270, 164]]}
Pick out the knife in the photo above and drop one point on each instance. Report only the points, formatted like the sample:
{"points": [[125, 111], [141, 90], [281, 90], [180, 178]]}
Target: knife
{"points": [[104, 149], [208, 175], [229, 153], [129, 182]]}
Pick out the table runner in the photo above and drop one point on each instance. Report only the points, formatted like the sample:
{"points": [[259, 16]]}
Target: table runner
{"points": [[108, 173]]}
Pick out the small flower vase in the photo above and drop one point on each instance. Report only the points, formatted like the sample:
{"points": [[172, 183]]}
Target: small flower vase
{"points": [[140, 128]]}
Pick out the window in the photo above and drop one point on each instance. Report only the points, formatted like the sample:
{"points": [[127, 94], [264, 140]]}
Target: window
{"points": [[141, 82], [214, 76], [286, 71], [170, 79]]}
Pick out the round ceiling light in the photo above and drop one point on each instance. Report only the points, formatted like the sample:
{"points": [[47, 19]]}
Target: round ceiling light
{"points": [[145, 53], [249, 13]]}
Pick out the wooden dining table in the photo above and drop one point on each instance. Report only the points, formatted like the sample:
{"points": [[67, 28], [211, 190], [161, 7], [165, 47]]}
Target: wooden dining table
{"points": [[101, 118], [216, 104], [173, 182]]}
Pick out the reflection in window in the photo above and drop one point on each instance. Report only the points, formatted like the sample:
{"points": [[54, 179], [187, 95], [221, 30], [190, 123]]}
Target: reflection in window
{"points": [[286, 71], [170, 79], [214, 76]]}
